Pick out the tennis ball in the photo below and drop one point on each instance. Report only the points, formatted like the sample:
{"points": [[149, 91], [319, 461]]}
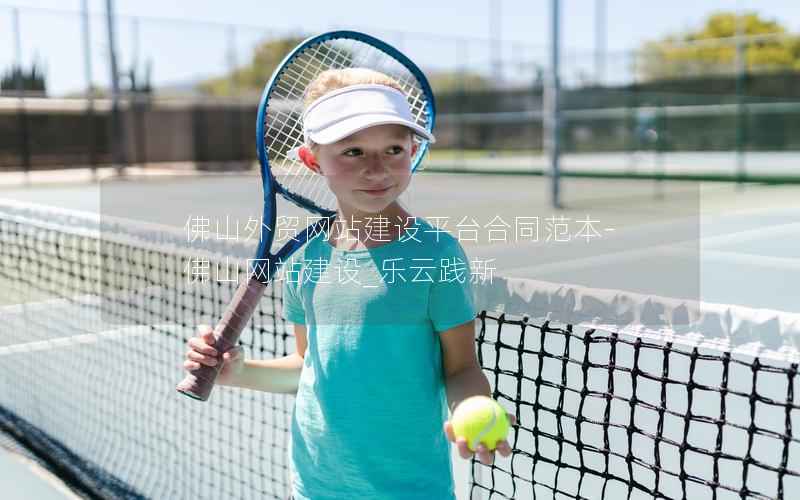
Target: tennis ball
{"points": [[480, 419]]}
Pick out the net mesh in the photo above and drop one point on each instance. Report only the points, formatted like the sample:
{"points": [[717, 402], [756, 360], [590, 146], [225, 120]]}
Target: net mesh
{"points": [[615, 416], [616, 396], [95, 325]]}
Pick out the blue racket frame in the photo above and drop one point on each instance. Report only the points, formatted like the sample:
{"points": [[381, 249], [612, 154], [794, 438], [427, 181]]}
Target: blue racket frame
{"points": [[271, 187]]}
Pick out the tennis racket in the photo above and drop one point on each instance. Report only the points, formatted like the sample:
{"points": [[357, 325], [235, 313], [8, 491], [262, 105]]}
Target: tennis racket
{"points": [[279, 133]]}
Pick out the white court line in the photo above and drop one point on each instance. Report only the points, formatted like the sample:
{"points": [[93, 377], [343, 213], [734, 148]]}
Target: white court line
{"points": [[686, 248], [781, 263], [42, 473], [708, 256], [81, 301], [752, 234], [27, 307], [76, 340]]}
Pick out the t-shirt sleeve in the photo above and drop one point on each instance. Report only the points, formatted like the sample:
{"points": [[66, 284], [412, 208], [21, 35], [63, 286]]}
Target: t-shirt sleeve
{"points": [[293, 310], [451, 302]]}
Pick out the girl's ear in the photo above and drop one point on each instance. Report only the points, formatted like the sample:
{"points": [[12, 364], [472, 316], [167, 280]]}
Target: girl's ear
{"points": [[308, 159]]}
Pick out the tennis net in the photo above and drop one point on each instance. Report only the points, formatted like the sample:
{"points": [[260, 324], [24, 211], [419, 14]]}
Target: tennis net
{"points": [[617, 395]]}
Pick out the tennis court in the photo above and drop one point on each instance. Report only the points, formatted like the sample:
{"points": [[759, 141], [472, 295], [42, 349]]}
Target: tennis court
{"points": [[631, 213], [105, 297]]}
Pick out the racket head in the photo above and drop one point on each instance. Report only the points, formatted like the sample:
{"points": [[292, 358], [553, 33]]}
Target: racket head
{"points": [[279, 127]]}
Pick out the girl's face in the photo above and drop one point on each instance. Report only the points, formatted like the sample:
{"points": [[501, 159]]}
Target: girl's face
{"points": [[370, 169]]}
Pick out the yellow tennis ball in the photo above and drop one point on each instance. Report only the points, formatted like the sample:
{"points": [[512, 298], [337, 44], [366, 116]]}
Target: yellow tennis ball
{"points": [[480, 419]]}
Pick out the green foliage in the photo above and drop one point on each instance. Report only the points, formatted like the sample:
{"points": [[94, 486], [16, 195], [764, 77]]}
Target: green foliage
{"points": [[32, 80], [447, 82], [268, 55], [706, 51], [252, 77]]}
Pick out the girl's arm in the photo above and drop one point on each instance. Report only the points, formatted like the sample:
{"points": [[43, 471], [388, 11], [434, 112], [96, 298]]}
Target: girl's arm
{"points": [[279, 375], [464, 378], [463, 374]]}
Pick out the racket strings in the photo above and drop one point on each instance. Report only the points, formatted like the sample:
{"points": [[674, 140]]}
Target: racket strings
{"points": [[320, 58], [284, 127], [291, 87]]}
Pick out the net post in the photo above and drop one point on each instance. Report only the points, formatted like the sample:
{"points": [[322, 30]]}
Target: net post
{"points": [[552, 111]]}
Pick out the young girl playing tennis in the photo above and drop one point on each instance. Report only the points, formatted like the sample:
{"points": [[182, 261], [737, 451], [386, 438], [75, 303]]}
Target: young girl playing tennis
{"points": [[382, 313]]}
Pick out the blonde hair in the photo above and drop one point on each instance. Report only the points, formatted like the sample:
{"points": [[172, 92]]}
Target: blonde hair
{"points": [[334, 79]]}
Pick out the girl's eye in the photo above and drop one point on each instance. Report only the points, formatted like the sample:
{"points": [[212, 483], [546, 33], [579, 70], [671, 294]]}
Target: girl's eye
{"points": [[395, 150], [353, 152]]}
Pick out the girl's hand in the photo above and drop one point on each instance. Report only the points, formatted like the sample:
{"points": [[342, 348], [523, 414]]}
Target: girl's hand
{"points": [[485, 455], [202, 353]]}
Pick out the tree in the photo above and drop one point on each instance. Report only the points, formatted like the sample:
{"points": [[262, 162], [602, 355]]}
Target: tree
{"points": [[252, 77], [447, 82], [268, 55], [712, 49], [17, 78]]}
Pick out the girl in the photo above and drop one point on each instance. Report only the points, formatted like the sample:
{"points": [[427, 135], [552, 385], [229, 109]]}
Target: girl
{"points": [[382, 313]]}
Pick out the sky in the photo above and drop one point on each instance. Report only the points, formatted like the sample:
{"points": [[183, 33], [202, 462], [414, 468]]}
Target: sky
{"points": [[189, 40]]}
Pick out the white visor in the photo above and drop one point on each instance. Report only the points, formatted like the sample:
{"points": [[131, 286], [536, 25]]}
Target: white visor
{"points": [[345, 111]]}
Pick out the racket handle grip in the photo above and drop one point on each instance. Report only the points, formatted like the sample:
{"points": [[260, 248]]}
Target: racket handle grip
{"points": [[199, 383]]}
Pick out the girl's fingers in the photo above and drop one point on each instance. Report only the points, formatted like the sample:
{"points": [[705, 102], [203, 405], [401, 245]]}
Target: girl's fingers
{"points": [[463, 449], [504, 448], [199, 345], [485, 456], [206, 333], [201, 358], [448, 429]]}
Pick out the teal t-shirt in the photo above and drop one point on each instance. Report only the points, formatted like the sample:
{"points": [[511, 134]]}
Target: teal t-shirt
{"points": [[371, 402]]}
